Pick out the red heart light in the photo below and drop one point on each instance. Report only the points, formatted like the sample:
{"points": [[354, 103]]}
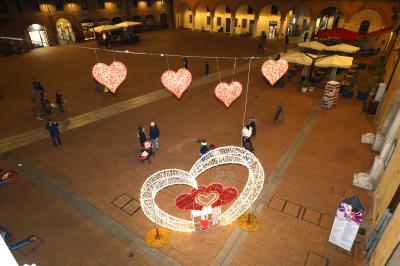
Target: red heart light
{"points": [[176, 82], [190, 201], [273, 70], [228, 93], [110, 76]]}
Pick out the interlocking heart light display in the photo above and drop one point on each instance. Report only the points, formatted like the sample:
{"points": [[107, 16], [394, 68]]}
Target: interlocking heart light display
{"points": [[176, 82], [273, 70], [228, 93], [110, 76], [220, 156]]}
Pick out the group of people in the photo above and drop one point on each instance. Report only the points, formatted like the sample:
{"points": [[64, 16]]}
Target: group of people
{"points": [[204, 148], [46, 106], [185, 63], [149, 145], [248, 132]]}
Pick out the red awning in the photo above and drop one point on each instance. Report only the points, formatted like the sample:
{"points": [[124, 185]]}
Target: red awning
{"points": [[378, 32], [339, 33]]}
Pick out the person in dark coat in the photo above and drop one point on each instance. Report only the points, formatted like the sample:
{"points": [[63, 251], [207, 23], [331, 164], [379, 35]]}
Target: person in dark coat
{"points": [[60, 101], [46, 107], [141, 136], [207, 69], [248, 145], [52, 127], [203, 148], [286, 41], [185, 63], [154, 133], [253, 124]]}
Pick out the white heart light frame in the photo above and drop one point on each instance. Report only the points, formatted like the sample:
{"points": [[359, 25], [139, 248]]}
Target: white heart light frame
{"points": [[216, 157]]}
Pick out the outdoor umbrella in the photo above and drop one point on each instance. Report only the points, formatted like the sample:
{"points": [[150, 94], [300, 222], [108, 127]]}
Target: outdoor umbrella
{"points": [[334, 61], [313, 45], [299, 58], [343, 47], [101, 28], [339, 33], [127, 24]]}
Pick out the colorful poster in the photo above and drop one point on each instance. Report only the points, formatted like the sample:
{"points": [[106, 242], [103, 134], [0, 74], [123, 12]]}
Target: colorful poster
{"points": [[345, 227]]}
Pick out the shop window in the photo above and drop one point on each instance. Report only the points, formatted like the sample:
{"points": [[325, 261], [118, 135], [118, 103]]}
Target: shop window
{"points": [[364, 26], [3, 6], [219, 21], [18, 4], [59, 5], [244, 23], [250, 10], [235, 22], [100, 3], [35, 6], [150, 3], [274, 10], [190, 19], [208, 20], [227, 10], [84, 5]]}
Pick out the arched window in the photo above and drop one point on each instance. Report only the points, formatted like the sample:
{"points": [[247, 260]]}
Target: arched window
{"points": [[364, 26]]}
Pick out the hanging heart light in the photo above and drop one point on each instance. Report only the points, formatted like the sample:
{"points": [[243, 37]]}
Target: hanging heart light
{"points": [[273, 70], [228, 93], [110, 76], [176, 82]]}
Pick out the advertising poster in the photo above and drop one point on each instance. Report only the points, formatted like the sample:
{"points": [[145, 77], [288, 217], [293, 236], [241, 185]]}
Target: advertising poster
{"points": [[348, 219]]}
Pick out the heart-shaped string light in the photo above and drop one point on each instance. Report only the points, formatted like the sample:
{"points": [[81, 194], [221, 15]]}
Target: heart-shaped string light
{"points": [[110, 76], [228, 93], [176, 82], [273, 70]]}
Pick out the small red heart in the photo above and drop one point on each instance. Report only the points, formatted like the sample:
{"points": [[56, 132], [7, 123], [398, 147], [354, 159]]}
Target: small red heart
{"points": [[110, 76], [228, 93], [176, 82], [273, 70]]}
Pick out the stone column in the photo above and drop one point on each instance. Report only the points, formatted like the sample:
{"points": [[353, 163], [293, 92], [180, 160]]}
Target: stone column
{"points": [[211, 23], [232, 25], [255, 26], [193, 20], [377, 167]]}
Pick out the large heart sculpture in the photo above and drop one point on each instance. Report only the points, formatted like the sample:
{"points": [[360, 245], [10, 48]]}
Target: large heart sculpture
{"points": [[219, 156], [213, 195], [176, 82], [273, 70], [110, 76], [228, 93]]}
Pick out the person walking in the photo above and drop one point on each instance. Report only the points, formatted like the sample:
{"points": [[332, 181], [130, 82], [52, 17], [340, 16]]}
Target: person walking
{"points": [[141, 136], [248, 145], [246, 133], [207, 69], [185, 63], [154, 133], [203, 148], [60, 101], [252, 123], [261, 43], [52, 127], [305, 37]]}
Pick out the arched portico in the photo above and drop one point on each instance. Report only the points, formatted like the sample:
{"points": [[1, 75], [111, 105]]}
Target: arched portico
{"points": [[269, 21], [372, 16], [297, 22], [245, 20], [203, 19], [184, 17], [223, 20]]}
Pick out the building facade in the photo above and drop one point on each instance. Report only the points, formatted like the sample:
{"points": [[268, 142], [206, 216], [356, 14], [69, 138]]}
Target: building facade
{"points": [[45, 22]]}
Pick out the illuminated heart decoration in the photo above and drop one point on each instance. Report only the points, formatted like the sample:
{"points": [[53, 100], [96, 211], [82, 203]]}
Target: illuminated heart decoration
{"points": [[220, 156], [176, 82], [110, 76], [273, 70], [198, 198], [228, 93]]}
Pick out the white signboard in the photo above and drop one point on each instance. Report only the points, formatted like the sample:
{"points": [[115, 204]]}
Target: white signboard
{"points": [[345, 227]]}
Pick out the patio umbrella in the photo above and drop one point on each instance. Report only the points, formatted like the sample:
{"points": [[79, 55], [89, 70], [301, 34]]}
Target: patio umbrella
{"points": [[339, 33], [334, 61], [101, 28], [313, 45], [343, 47], [127, 24], [299, 58]]}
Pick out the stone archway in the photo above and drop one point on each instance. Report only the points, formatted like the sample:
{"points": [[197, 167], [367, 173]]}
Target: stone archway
{"points": [[269, 21], [245, 17], [372, 16], [297, 22], [223, 21], [184, 17], [202, 18], [64, 31]]}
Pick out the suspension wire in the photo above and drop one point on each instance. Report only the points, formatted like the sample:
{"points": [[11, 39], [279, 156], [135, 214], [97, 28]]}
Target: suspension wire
{"points": [[97, 58], [234, 69], [219, 74], [247, 91]]}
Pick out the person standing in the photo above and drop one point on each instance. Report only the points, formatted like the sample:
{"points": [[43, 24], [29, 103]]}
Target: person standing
{"points": [[246, 133], [52, 127], [252, 123], [141, 136], [154, 133], [305, 37], [286, 41], [60, 101], [185, 63], [207, 69]]}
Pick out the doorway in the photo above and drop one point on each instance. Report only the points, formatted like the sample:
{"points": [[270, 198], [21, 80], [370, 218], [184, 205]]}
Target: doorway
{"points": [[228, 24], [64, 31], [38, 35], [251, 27]]}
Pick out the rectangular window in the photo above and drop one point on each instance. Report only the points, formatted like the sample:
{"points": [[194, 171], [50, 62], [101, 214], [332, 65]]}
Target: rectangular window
{"points": [[100, 3], [149, 3], [84, 5], [35, 6], [18, 4], [219, 21], [3, 6], [235, 22], [244, 23], [208, 20], [59, 5], [190, 18], [134, 3], [274, 10]]}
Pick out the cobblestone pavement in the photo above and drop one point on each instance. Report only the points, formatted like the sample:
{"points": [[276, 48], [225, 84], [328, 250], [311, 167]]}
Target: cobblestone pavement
{"points": [[92, 183]]}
